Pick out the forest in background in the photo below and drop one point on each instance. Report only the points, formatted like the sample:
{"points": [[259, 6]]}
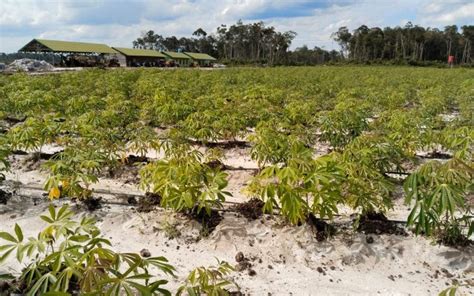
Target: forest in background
{"points": [[259, 44], [256, 43]]}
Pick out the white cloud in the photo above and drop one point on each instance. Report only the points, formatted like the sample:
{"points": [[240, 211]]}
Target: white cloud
{"points": [[119, 22], [445, 15], [32, 13]]}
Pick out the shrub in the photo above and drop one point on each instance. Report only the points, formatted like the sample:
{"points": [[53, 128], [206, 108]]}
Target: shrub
{"points": [[71, 256], [439, 191], [347, 121], [72, 171], [207, 281], [301, 187], [184, 181], [366, 160]]}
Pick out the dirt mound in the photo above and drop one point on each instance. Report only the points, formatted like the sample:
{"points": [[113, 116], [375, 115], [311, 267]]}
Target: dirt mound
{"points": [[29, 65], [377, 223], [252, 209], [216, 165], [92, 203], [453, 236], [208, 222], [4, 196], [148, 202], [323, 229]]}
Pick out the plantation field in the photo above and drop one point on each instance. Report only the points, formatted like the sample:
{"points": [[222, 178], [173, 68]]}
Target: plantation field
{"points": [[329, 180]]}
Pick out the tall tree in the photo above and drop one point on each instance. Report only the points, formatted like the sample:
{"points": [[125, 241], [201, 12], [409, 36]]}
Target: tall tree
{"points": [[411, 43], [149, 40], [343, 38]]}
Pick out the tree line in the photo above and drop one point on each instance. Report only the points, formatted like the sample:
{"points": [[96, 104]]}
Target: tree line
{"points": [[408, 43], [257, 43], [239, 43]]}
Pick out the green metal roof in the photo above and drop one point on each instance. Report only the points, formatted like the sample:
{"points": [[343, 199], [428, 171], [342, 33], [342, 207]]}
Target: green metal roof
{"points": [[176, 55], [70, 46], [200, 56], [135, 52]]}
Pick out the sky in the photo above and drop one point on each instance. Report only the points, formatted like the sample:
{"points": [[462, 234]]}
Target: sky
{"points": [[119, 22]]}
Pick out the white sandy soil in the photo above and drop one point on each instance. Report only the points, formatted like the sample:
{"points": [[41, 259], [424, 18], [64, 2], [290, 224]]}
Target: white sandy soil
{"points": [[288, 260]]}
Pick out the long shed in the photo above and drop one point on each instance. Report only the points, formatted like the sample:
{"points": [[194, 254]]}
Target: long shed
{"points": [[202, 59], [180, 58], [43, 45], [73, 53], [134, 57]]}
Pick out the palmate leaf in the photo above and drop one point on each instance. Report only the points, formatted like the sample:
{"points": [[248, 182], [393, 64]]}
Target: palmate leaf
{"points": [[451, 291], [8, 237], [156, 287], [14, 243], [42, 285], [439, 191], [5, 255]]}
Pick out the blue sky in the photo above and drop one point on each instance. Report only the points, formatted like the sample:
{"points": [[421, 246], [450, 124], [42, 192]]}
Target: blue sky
{"points": [[119, 22]]}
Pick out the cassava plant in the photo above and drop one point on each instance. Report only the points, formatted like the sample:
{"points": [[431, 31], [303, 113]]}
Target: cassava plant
{"points": [[4, 153], [71, 257], [347, 121], [459, 141], [270, 144], [209, 281], [300, 187], [72, 171], [184, 180], [366, 161], [34, 133], [439, 192]]}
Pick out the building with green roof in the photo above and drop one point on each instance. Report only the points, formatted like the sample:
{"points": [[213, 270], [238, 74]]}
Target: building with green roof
{"points": [[72, 53], [180, 58], [56, 46], [202, 59], [133, 57]]}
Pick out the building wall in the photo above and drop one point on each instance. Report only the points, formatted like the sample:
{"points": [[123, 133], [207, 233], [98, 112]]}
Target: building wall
{"points": [[144, 61], [183, 62], [122, 60]]}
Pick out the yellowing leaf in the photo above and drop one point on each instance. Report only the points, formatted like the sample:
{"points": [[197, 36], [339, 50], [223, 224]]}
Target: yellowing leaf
{"points": [[54, 193], [65, 183]]}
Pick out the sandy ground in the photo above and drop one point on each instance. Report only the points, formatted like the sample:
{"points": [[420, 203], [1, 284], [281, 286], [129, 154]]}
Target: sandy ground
{"points": [[288, 260]]}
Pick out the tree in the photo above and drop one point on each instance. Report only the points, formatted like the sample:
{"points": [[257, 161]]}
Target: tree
{"points": [[411, 43], [468, 40], [149, 40], [343, 37]]}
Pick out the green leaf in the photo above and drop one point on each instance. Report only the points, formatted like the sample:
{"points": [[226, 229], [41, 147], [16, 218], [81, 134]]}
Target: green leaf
{"points": [[19, 233], [52, 212], [46, 219], [7, 276], [8, 237]]}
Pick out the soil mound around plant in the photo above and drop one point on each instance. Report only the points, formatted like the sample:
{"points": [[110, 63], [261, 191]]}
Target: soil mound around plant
{"points": [[148, 202], [131, 159], [216, 165], [378, 223], [459, 242], [4, 196], [323, 229], [252, 209], [438, 155], [93, 203], [453, 236], [208, 222]]}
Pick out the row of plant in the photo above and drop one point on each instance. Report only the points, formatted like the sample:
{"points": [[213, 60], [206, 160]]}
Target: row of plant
{"points": [[69, 257], [375, 126]]}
